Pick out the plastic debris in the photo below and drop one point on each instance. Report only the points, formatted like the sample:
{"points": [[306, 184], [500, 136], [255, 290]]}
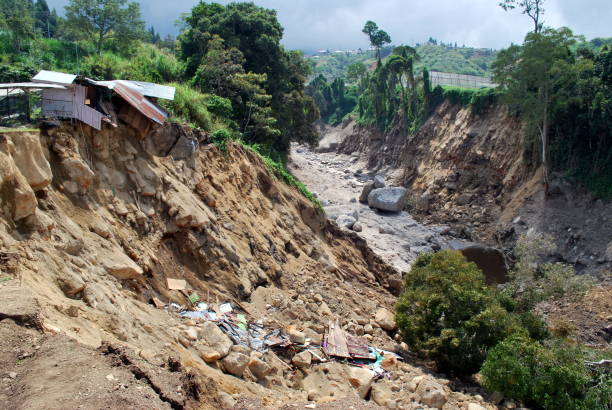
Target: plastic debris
{"points": [[225, 308], [193, 298]]}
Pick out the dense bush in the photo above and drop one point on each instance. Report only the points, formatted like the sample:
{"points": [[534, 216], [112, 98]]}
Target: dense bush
{"points": [[479, 99], [221, 138], [548, 377], [447, 312]]}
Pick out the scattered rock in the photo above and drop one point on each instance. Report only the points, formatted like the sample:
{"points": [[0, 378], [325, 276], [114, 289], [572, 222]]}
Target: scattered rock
{"points": [[367, 188], [385, 319], [357, 227], [475, 406], [361, 379], [345, 221], [379, 181], [302, 359], [235, 363]]}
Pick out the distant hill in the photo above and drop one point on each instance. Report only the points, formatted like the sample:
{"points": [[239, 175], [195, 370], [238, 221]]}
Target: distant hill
{"points": [[436, 57]]}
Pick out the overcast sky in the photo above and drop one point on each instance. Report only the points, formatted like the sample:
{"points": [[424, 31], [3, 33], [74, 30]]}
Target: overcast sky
{"points": [[336, 24]]}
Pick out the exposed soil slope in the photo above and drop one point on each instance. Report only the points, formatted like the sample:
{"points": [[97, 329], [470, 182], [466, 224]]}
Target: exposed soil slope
{"points": [[467, 169], [92, 224]]}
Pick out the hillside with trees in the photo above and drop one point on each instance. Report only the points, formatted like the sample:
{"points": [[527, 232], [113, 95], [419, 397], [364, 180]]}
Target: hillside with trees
{"points": [[226, 78], [435, 55]]}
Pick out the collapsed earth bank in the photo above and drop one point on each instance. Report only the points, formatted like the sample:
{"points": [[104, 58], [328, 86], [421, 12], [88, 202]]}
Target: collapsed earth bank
{"points": [[92, 226]]}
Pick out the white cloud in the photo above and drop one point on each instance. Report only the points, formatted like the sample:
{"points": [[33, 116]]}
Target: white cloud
{"points": [[315, 24]]}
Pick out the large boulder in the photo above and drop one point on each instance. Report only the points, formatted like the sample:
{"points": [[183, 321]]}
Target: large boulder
{"points": [[388, 199], [381, 393], [78, 172], [25, 202], [432, 393], [609, 252], [385, 319], [302, 359], [367, 188], [491, 261]]}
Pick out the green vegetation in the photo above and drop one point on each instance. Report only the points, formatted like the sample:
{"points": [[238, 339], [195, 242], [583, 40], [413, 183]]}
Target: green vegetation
{"points": [[533, 282], [549, 375], [477, 98], [7, 130], [104, 21], [564, 94], [334, 100], [378, 38], [277, 168], [434, 56], [234, 51], [447, 312]]}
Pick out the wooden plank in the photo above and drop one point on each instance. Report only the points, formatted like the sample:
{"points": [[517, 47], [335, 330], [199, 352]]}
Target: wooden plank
{"points": [[336, 342]]}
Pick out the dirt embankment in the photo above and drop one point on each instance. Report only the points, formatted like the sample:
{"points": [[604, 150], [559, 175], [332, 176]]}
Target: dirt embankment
{"points": [[92, 224], [467, 170]]}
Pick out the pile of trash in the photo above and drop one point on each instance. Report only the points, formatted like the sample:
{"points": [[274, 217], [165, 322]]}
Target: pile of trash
{"points": [[334, 345]]}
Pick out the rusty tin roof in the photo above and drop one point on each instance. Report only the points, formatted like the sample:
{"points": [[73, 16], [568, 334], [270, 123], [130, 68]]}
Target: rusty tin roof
{"points": [[138, 101]]}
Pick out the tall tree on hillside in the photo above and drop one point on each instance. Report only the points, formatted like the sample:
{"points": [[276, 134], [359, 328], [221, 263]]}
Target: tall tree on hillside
{"points": [[18, 20], [533, 8], [103, 20], [45, 19], [531, 75], [256, 33], [378, 38]]}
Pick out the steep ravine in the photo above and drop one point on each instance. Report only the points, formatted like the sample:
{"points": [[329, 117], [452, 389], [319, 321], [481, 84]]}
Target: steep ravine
{"points": [[466, 170], [92, 224]]}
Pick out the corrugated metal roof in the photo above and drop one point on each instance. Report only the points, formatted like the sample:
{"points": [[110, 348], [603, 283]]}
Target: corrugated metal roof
{"points": [[138, 101], [144, 88], [54, 77], [152, 90], [30, 85]]}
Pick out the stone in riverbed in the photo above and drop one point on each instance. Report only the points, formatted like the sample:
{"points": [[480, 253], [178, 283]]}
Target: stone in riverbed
{"points": [[379, 181], [345, 221], [367, 188], [388, 199]]}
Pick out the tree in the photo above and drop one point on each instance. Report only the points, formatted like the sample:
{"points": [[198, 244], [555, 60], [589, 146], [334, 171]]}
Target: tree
{"points": [[378, 38], [356, 71], [256, 33], [18, 19], [448, 313], [103, 20], [532, 8], [529, 75], [45, 19]]}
